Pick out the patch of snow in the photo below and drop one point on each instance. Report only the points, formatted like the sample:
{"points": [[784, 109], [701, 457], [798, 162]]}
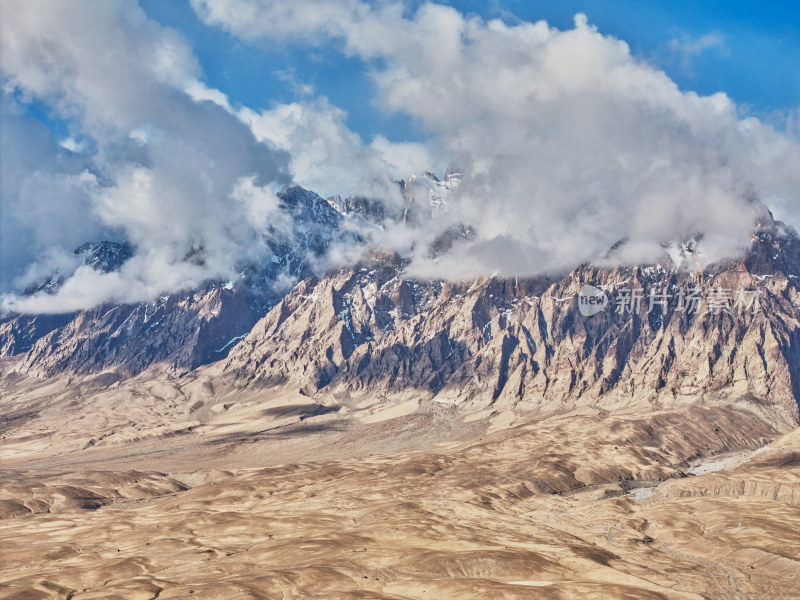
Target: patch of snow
{"points": [[232, 341], [642, 493], [711, 466]]}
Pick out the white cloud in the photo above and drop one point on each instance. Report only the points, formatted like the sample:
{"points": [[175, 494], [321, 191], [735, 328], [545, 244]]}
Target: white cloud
{"points": [[292, 21], [568, 142], [326, 156], [686, 48], [103, 62], [163, 158], [43, 195], [401, 159]]}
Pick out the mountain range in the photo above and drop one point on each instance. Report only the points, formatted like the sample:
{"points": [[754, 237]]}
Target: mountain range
{"points": [[609, 432], [370, 328]]}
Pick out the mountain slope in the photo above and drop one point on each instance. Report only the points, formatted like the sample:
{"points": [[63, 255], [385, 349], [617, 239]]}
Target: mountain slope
{"points": [[181, 331], [371, 330]]}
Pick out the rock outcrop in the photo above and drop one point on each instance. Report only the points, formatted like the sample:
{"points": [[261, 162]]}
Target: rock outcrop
{"points": [[372, 330], [665, 335]]}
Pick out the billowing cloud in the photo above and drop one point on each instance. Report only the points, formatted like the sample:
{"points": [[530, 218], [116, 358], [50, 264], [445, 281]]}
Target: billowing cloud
{"points": [[326, 156], [296, 21], [43, 189], [161, 165], [568, 142]]}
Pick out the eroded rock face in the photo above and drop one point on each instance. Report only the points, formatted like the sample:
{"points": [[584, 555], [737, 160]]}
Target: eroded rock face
{"points": [[105, 256], [373, 330], [18, 333], [180, 332]]}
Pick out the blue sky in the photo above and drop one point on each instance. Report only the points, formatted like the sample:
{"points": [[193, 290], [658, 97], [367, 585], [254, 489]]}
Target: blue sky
{"points": [[753, 53], [255, 75]]}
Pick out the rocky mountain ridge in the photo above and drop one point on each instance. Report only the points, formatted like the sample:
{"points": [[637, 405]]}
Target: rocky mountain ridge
{"points": [[180, 331], [372, 329]]}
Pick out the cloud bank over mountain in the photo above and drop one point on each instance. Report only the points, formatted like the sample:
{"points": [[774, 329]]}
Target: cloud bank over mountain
{"points": [[148, 162], [567, 142]]}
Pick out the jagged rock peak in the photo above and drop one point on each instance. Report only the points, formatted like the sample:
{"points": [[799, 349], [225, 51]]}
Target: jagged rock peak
{"points": [[373, 330], [105, 256]]}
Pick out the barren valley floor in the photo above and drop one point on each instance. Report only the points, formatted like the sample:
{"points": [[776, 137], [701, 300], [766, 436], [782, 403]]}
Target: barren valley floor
{"points": [[299, 499]]}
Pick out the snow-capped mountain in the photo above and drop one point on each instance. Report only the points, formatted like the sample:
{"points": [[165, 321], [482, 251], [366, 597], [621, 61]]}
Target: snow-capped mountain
{"points": [[105, 256], [427, 190], [425, 197], [370, 329], [182, 330]]}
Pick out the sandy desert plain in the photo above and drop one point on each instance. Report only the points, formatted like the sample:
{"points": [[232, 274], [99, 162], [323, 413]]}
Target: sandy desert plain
{"points": [[183, 488]]}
